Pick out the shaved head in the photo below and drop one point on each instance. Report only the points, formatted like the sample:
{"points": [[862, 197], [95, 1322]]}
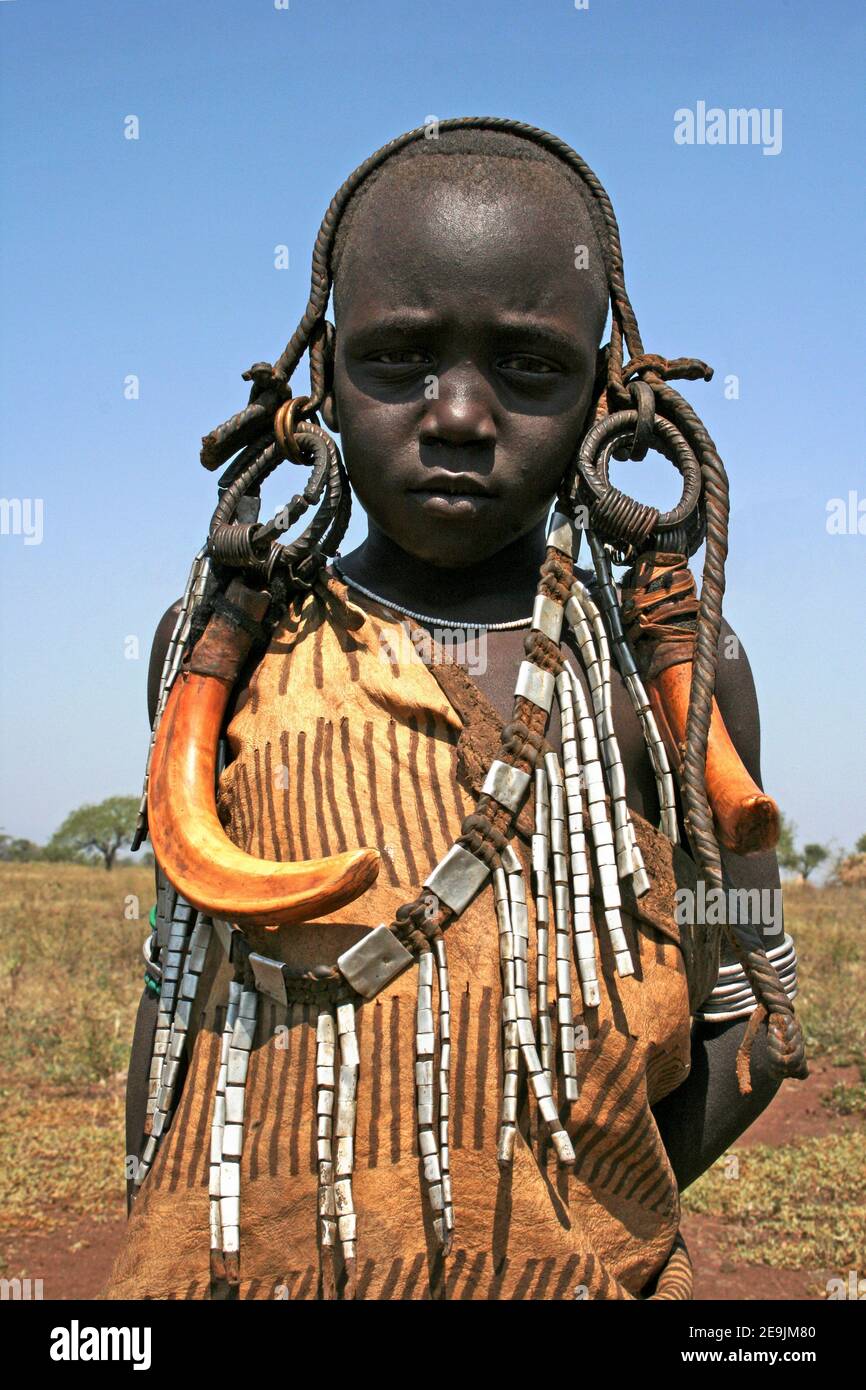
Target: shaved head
{"points": [[485, 180]]}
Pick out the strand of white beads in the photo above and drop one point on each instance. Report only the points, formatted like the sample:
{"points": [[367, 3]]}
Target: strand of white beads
{"points": [[344, 1133], [237, 1068], [562, 907], [326, 1052], [525, 1031], [177, 1044], [637, 692], [541, 893], [601, 833], [221, 1116], [428, 1138], [587, 624], [444, 1091], [511, 1050]]}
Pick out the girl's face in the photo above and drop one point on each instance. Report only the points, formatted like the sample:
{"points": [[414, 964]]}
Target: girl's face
{"points": [[465, 355]]}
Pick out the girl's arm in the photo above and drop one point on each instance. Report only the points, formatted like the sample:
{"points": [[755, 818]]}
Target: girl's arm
{"points": [[703, 1117]]}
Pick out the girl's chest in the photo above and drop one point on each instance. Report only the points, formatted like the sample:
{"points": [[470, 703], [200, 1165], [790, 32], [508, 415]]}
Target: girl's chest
{"points": [[496, 657]]}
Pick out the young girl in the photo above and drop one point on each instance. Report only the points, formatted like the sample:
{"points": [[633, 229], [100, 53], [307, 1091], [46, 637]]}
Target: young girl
{"points": [[308, 1117]]}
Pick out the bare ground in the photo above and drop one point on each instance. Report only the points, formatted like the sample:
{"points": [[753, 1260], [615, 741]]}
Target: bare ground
{"points": [[75, 1259]]}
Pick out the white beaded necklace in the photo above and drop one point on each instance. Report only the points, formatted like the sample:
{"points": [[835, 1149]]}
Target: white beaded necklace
{"points": [[423, 617]]}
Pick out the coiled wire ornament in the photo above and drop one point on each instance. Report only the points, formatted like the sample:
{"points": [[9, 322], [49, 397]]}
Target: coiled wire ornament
{"points": [[256, 546]]}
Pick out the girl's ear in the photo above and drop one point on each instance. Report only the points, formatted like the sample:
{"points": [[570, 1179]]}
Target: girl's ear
{"points": [[329, 404]]}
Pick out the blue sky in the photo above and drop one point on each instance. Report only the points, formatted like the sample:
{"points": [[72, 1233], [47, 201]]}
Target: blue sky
{"points": [[155, 258]]}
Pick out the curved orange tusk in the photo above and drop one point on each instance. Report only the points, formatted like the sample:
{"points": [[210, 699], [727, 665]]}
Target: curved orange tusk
{"points": [[746, 818], [188, 839]]}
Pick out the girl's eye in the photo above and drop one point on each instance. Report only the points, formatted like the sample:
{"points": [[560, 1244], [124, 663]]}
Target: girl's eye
{"points": [[524, 362], [401, 358]]}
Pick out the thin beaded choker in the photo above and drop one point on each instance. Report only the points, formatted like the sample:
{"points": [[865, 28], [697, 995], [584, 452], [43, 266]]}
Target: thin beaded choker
{"points": [[423, 617]]}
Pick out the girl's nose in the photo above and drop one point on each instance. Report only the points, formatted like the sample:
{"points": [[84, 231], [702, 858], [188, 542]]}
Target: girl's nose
{"points": [[459, 408]]}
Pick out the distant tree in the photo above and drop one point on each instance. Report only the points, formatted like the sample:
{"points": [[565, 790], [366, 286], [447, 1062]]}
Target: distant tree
{"points": [[100, 829], [786, 851], [18, 851], [811, 856], [860, 847], [798, 861]]}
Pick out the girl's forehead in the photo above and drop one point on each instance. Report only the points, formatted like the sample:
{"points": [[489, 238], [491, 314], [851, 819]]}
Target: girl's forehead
{"points": [[453, 246]]}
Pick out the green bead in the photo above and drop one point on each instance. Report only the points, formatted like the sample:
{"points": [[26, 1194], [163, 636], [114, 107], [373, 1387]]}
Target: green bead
{"points": [[152, 918]]}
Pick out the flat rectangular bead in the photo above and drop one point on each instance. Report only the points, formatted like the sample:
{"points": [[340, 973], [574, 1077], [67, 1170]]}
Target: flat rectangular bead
{"points": [[640, 882], [374, 961], [233, 1141], [344, 1120], [624, 963], [509, 1109], [540, 849], [559, 870], [505, 1148], [269, 977], [182, 1016], [238, 1065], [432, 1169], [506, 784], [519, 919], [525, 1032], [345, 1155], [345, 1018], [535, 685], [585, 944], [548, 1111], [243, 1034], [230, 1179], [560, 534], [510, 861], [547, 617], [558, 802], [457, 878], [591, 993], [230, 1206]]}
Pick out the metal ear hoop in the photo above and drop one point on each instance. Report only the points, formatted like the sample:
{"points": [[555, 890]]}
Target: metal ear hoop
{"points": [[256, 546], [622, 521]]}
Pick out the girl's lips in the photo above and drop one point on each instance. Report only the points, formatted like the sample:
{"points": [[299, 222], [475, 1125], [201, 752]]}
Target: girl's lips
{"points": [[453, 504]]}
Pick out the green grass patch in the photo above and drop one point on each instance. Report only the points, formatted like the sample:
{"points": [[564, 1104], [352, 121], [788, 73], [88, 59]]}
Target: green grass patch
{"points": [[826, 924], [845, 1099], [798, 1206], [61, 1158], [71, 971]]}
